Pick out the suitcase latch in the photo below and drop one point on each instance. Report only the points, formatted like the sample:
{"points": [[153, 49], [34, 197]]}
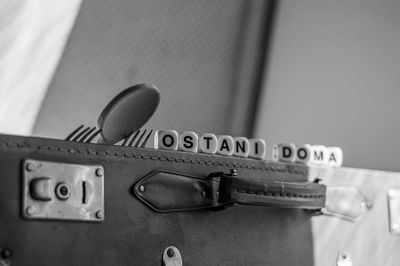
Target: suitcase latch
{"points": [[61, 191], [172, 257]]}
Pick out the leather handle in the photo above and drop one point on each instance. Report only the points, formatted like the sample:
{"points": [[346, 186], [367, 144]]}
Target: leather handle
{"points": [[166, 191], [261, 192]]}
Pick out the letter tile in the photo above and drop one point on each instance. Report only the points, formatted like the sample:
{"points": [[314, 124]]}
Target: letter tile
{"points": [[241, 147], [284, 152], [188, 141], [257, 149], [208, 143], [335, 156], [225, 145], [303, 154], [168, 139], [319, 155]]}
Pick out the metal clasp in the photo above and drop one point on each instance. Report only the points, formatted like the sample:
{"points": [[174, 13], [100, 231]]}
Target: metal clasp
{"points": [[172, 257], [61, 191]]}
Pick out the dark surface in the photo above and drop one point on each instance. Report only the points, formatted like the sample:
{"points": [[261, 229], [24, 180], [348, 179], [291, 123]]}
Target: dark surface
{"points": [[133, 234], [128, 112]]}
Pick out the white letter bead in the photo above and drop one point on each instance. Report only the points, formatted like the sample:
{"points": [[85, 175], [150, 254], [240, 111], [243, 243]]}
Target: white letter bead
{"points": [[257, 148], [208, 143], [284, 152], [168, 139], [241, 147], [319, 155], [225, 145], [188, 141], [335, 156], [303, 154]]}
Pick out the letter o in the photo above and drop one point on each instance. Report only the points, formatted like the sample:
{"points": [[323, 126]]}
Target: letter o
{"points": [[302, 153], [170, 142]]}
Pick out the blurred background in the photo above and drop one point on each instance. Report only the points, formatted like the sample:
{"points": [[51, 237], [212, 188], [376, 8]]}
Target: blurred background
{"points": [[307, 71]]}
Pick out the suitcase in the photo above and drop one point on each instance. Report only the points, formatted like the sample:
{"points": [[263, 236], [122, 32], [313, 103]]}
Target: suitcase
{"points": [[68, 203], [372, 235]]}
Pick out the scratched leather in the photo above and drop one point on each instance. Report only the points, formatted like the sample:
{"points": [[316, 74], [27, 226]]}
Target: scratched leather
{"points": [[132, 233]]}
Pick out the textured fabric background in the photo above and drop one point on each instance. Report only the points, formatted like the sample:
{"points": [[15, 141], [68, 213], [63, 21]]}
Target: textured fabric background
{"points": [[333, 78], [191, 50]]}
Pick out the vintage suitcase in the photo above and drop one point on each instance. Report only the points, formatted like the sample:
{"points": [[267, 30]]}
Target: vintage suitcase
{"points": [[370, 233], [68, 203]]}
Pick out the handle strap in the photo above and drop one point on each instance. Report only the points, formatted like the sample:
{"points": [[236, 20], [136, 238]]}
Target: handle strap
{"points": [[165, 191], [263, 192]]}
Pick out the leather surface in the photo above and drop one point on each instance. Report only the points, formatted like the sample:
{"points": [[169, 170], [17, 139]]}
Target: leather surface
{"points": [[262, 192], [170, 191], [165, 191], [132, 233]]}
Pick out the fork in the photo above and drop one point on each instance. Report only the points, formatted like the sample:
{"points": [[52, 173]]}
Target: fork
{"points": [[83, 134], [87, 135], [136, 139]]}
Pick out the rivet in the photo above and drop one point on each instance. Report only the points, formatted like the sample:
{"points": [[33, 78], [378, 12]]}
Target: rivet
{"points": [[30, 210], [234, 172], [170, 252], [141, 189], [99, 214], [63, 192], [30, 167], [5, 253], [99, 172]]}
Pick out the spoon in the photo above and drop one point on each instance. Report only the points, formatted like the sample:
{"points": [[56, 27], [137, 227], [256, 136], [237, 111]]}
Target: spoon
{"points": [[125, 113]]}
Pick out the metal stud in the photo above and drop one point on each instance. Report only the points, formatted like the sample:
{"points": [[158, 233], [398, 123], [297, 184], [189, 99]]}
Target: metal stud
{"points": [[30, 167], [99, 172], [170, 252], [99, 214], [234, 172], [30, 210]]}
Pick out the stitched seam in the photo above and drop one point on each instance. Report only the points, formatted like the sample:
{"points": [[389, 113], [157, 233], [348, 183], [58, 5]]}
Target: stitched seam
{"points": [[279, 195], [147, 157]]}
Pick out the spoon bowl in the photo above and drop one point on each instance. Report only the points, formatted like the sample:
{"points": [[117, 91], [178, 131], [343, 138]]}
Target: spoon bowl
{"points": [[128, 112]]}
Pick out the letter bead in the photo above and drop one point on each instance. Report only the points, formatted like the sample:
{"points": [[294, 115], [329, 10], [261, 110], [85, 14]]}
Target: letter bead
{"points": [[208, 143], [335, 156], [241, 147], [257, 149], [167, 139], [225, 145], [188, 141], [303, 154], [284, 152], [319, 155]]}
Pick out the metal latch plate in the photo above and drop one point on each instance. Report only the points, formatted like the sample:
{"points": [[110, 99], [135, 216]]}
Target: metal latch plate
{"points": [[394, 210], [172, 257], [62, 191]]}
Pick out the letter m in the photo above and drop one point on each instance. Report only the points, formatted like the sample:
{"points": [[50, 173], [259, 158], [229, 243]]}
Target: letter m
{"points": [[319, 155]]}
